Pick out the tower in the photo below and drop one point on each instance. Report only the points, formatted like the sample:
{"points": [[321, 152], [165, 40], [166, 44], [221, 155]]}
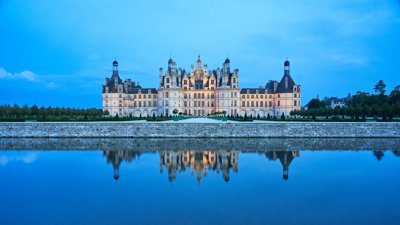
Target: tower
{"points": [[287, 67], [115, 67], [198, 63], [227, 65]]}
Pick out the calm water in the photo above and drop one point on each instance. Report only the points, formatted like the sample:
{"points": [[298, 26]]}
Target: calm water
{"points": [[109, 184]]}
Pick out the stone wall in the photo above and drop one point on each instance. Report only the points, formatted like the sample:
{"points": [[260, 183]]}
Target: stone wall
{"points": [[205, 130], [201, 144]]}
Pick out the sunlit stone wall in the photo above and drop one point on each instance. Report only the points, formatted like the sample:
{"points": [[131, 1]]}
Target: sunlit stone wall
{"points": [[154, 129]]}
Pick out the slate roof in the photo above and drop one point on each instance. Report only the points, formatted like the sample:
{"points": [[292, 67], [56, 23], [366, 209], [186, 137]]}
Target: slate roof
{"points": [[254, 90], [282, 87], [143, 90]]}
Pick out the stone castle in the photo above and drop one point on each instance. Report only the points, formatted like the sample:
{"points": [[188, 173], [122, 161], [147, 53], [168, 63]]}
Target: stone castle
{"points": [[200, 92]]}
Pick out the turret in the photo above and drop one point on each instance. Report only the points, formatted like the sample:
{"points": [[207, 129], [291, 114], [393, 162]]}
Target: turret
{"points": [[170, 62], [115, 66], [161, 75], [198, 63], [287, 67], [227, 65]]}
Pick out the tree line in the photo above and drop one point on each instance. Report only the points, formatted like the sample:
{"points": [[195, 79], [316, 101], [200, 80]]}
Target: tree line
{"points": [[16, 112], [357, 106]]}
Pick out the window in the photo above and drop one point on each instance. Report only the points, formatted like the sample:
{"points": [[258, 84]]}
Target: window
{"points": [[166, 94], [212, 81], [185, 82], [295, 103], [279, 103], [295, 95], [261, 104], [234, 80], [167, 80], [270, 103], [252, 104]]}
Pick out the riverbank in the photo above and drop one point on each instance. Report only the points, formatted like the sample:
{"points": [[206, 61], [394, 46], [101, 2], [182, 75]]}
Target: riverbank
{"points": [[182, 129]]}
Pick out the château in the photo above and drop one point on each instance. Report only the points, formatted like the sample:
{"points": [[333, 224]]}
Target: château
{"points": [[200, 92]]}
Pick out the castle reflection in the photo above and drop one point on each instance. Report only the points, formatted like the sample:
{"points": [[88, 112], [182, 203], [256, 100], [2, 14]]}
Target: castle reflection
{"points": [[200, 163], [117, 157]]}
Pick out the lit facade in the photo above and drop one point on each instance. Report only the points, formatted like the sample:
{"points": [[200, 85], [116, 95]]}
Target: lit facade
{"points": [[200, 92]]}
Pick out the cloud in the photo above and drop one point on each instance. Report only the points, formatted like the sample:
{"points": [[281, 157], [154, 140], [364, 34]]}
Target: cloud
{"points": [[51, 85], [30, 158], [26, 75], [352, 60]]}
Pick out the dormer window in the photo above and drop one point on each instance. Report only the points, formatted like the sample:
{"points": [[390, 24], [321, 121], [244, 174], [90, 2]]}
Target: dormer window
{"points": [[167, 80]]}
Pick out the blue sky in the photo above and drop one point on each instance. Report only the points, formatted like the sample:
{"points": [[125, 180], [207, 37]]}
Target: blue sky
{"points": [[58, 53]]}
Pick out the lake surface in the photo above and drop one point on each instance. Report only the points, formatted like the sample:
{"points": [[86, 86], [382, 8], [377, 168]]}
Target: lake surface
{"points": [[199, 181]]}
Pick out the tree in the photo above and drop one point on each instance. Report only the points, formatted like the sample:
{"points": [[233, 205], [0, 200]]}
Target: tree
{"points": [[314, 103], [283, 116], [380, 88], [175, 111]]}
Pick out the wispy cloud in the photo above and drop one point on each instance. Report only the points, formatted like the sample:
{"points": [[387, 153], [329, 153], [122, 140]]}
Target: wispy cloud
{"points": [[26, 75]]}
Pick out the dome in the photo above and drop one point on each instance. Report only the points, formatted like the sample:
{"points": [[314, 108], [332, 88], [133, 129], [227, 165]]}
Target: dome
{"points": [[170, 61], [287, 63], [115, 62], [227, 60]]}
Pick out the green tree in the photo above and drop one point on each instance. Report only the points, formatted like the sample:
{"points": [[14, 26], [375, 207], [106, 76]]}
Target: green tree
{"points": [[380, 88], [175, 111], [314, 103]]}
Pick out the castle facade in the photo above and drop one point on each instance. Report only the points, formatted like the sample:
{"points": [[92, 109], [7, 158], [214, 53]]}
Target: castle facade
{"points": [[200, 92]]}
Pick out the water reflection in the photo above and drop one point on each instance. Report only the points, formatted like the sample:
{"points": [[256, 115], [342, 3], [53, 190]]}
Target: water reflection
{"points": [[117, 157], [285, 157], [200, 163]]}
